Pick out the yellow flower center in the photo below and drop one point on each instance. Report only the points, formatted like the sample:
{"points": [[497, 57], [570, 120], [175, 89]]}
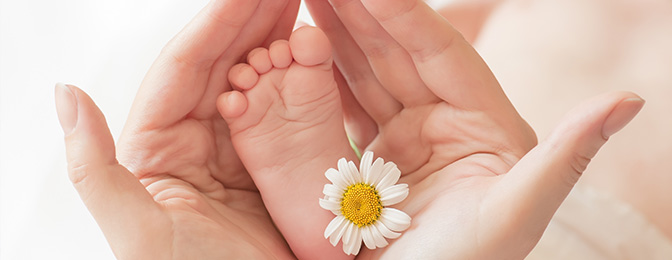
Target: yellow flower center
{"points": [[361, 204]]}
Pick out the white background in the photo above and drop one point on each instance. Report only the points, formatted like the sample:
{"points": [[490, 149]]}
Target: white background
{"points": [[105, 48]]}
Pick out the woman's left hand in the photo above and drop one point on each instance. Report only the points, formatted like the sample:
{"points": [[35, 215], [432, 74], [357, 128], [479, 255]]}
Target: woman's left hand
{"points": [[418, 94], [179, 191]]}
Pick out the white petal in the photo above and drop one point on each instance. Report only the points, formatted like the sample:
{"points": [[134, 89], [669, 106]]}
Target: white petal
{"points": [[338, 232], [376, 172], [394, 194], [394, 219], [336, 178], [394, 198], [333, 226], [356, 243], [368, 237], [333, 192], [365, 164], [377, 236], [391, 176], [347, 173], [349, 237], [330, 205], [355, 173], [349, 233], [346, 248], [386, 232]]}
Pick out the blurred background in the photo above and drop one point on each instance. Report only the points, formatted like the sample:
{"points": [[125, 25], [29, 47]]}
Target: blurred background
{"points": [[106, 47]]}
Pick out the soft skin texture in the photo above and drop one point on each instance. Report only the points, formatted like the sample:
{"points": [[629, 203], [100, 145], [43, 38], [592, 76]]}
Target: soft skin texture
{"points": [[414, 92], [547, 63], [178, 190], [286, 124], [480, 186]]}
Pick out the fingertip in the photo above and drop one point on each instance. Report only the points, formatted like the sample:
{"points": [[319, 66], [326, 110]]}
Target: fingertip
{"points": [[66, 107], [622, 114]]}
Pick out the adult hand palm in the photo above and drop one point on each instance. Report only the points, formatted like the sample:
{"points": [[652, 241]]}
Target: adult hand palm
{"points": [[424, 99], [453, 167], [194, 199]]}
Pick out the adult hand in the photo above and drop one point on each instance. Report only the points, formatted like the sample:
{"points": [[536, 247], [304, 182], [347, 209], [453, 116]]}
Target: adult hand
{"points": [[179, 190], [480, 187]]}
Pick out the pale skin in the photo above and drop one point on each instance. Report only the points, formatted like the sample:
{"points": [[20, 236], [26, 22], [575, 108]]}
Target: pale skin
{"points": [[178, 189], [581, 49], [477, 191], [613, 53], [286, 124]]}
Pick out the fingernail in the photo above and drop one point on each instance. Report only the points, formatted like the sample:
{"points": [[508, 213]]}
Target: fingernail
{"points": [[621, 115], [66, 107]]}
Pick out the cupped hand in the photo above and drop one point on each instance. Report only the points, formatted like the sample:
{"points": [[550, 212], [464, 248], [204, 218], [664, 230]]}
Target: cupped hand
{"points": [[416, 93], [178, 190]]}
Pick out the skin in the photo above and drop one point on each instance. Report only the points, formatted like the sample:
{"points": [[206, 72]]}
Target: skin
{"points": [[477, 190], [480, 187], [286, 124], [178, 190], [606, 45]]}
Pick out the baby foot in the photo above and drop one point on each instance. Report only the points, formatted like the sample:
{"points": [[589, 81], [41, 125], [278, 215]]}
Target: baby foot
{"points": [[286, 124]]}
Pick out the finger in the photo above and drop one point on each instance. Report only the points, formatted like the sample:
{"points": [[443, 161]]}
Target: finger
{"points": [[391, 64], [448, 65], [178, 78], [468, 17], [375, 100], [266, 18], [359, 126], [210, 33], [115, 198], [285, 24], [542, 179]]}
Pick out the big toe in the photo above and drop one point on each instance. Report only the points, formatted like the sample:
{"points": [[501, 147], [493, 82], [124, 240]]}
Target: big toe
{"points": [[310, 46]]}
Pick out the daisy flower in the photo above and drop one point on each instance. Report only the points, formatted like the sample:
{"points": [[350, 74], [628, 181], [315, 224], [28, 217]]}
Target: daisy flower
{"points": [[360, 199]]}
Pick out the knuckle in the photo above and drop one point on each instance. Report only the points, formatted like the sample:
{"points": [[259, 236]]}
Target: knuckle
{"points": [[376, 51], [176, 54], [426, 54], [78, 173], [225, 21], [578, 164], [355, 78], [403, 10]]}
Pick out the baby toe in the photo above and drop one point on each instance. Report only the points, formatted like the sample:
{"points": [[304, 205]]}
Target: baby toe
{"points": [[243, 76], [281, 56], [260, 60]]}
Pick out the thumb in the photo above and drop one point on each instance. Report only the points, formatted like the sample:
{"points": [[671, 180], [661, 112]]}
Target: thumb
{"points": [[115, 198], [543, 178]]}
